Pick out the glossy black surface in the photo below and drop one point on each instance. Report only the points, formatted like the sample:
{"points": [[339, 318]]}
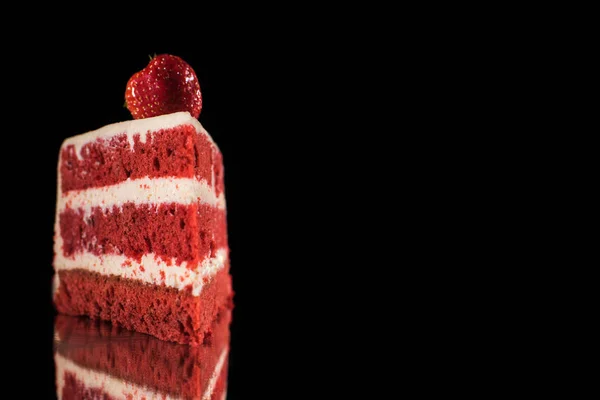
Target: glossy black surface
{"points": [[97, 360]]}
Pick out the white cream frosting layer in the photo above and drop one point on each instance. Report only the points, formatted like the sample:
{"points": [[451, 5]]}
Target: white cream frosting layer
{"points": [[150, 269], [215, 376], [142, 191], [134, 127], [118, 388]]}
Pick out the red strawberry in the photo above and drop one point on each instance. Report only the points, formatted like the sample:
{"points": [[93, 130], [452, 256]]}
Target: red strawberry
{"points": [[167, 85]]}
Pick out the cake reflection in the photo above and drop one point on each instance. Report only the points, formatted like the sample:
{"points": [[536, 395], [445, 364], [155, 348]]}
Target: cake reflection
{"points": [[97, 360]]}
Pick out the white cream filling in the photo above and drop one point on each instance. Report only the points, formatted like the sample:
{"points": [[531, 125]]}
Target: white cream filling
{"points": [[136, 127], [142, 191], [119, 388], [215, 375], [55, 284], [150, 269]]}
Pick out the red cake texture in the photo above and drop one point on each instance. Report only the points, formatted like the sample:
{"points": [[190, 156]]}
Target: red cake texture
{"points": [[178, 152], [167, 313], [141, 228], [167, 230], [92, 355]]}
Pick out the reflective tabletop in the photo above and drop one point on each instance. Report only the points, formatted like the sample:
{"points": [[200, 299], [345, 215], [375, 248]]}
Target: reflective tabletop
{"points": [[96, 360]]}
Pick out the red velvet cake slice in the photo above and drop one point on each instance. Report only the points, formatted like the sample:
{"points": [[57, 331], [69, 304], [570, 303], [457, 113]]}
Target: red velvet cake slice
{"points": [[95, 359], [140, 231]]}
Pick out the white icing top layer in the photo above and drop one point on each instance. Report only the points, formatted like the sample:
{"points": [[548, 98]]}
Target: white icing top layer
{"points": [[150, 269], [136, 126], [142, 191], [119, 388]]}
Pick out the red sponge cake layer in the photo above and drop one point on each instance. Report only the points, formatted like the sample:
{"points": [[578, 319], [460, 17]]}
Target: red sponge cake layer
{"points": [[167, 313], [187, 233], [176, 152]]}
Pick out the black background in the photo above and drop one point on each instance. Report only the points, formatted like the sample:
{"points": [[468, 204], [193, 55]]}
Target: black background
{"points": [[365, 154], [285, 111]]}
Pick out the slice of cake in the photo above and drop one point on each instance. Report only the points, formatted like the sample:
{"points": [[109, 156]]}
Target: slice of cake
{"points": [[140, 229], [97, 360]]}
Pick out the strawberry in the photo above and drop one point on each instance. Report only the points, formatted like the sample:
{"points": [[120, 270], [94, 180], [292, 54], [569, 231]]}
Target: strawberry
{"points": [[167, 84]]}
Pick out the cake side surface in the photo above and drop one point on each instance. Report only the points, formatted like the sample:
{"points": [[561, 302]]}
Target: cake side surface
{"points": [[140, 215], [174, 220], [169, 231], [166, 313]]}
